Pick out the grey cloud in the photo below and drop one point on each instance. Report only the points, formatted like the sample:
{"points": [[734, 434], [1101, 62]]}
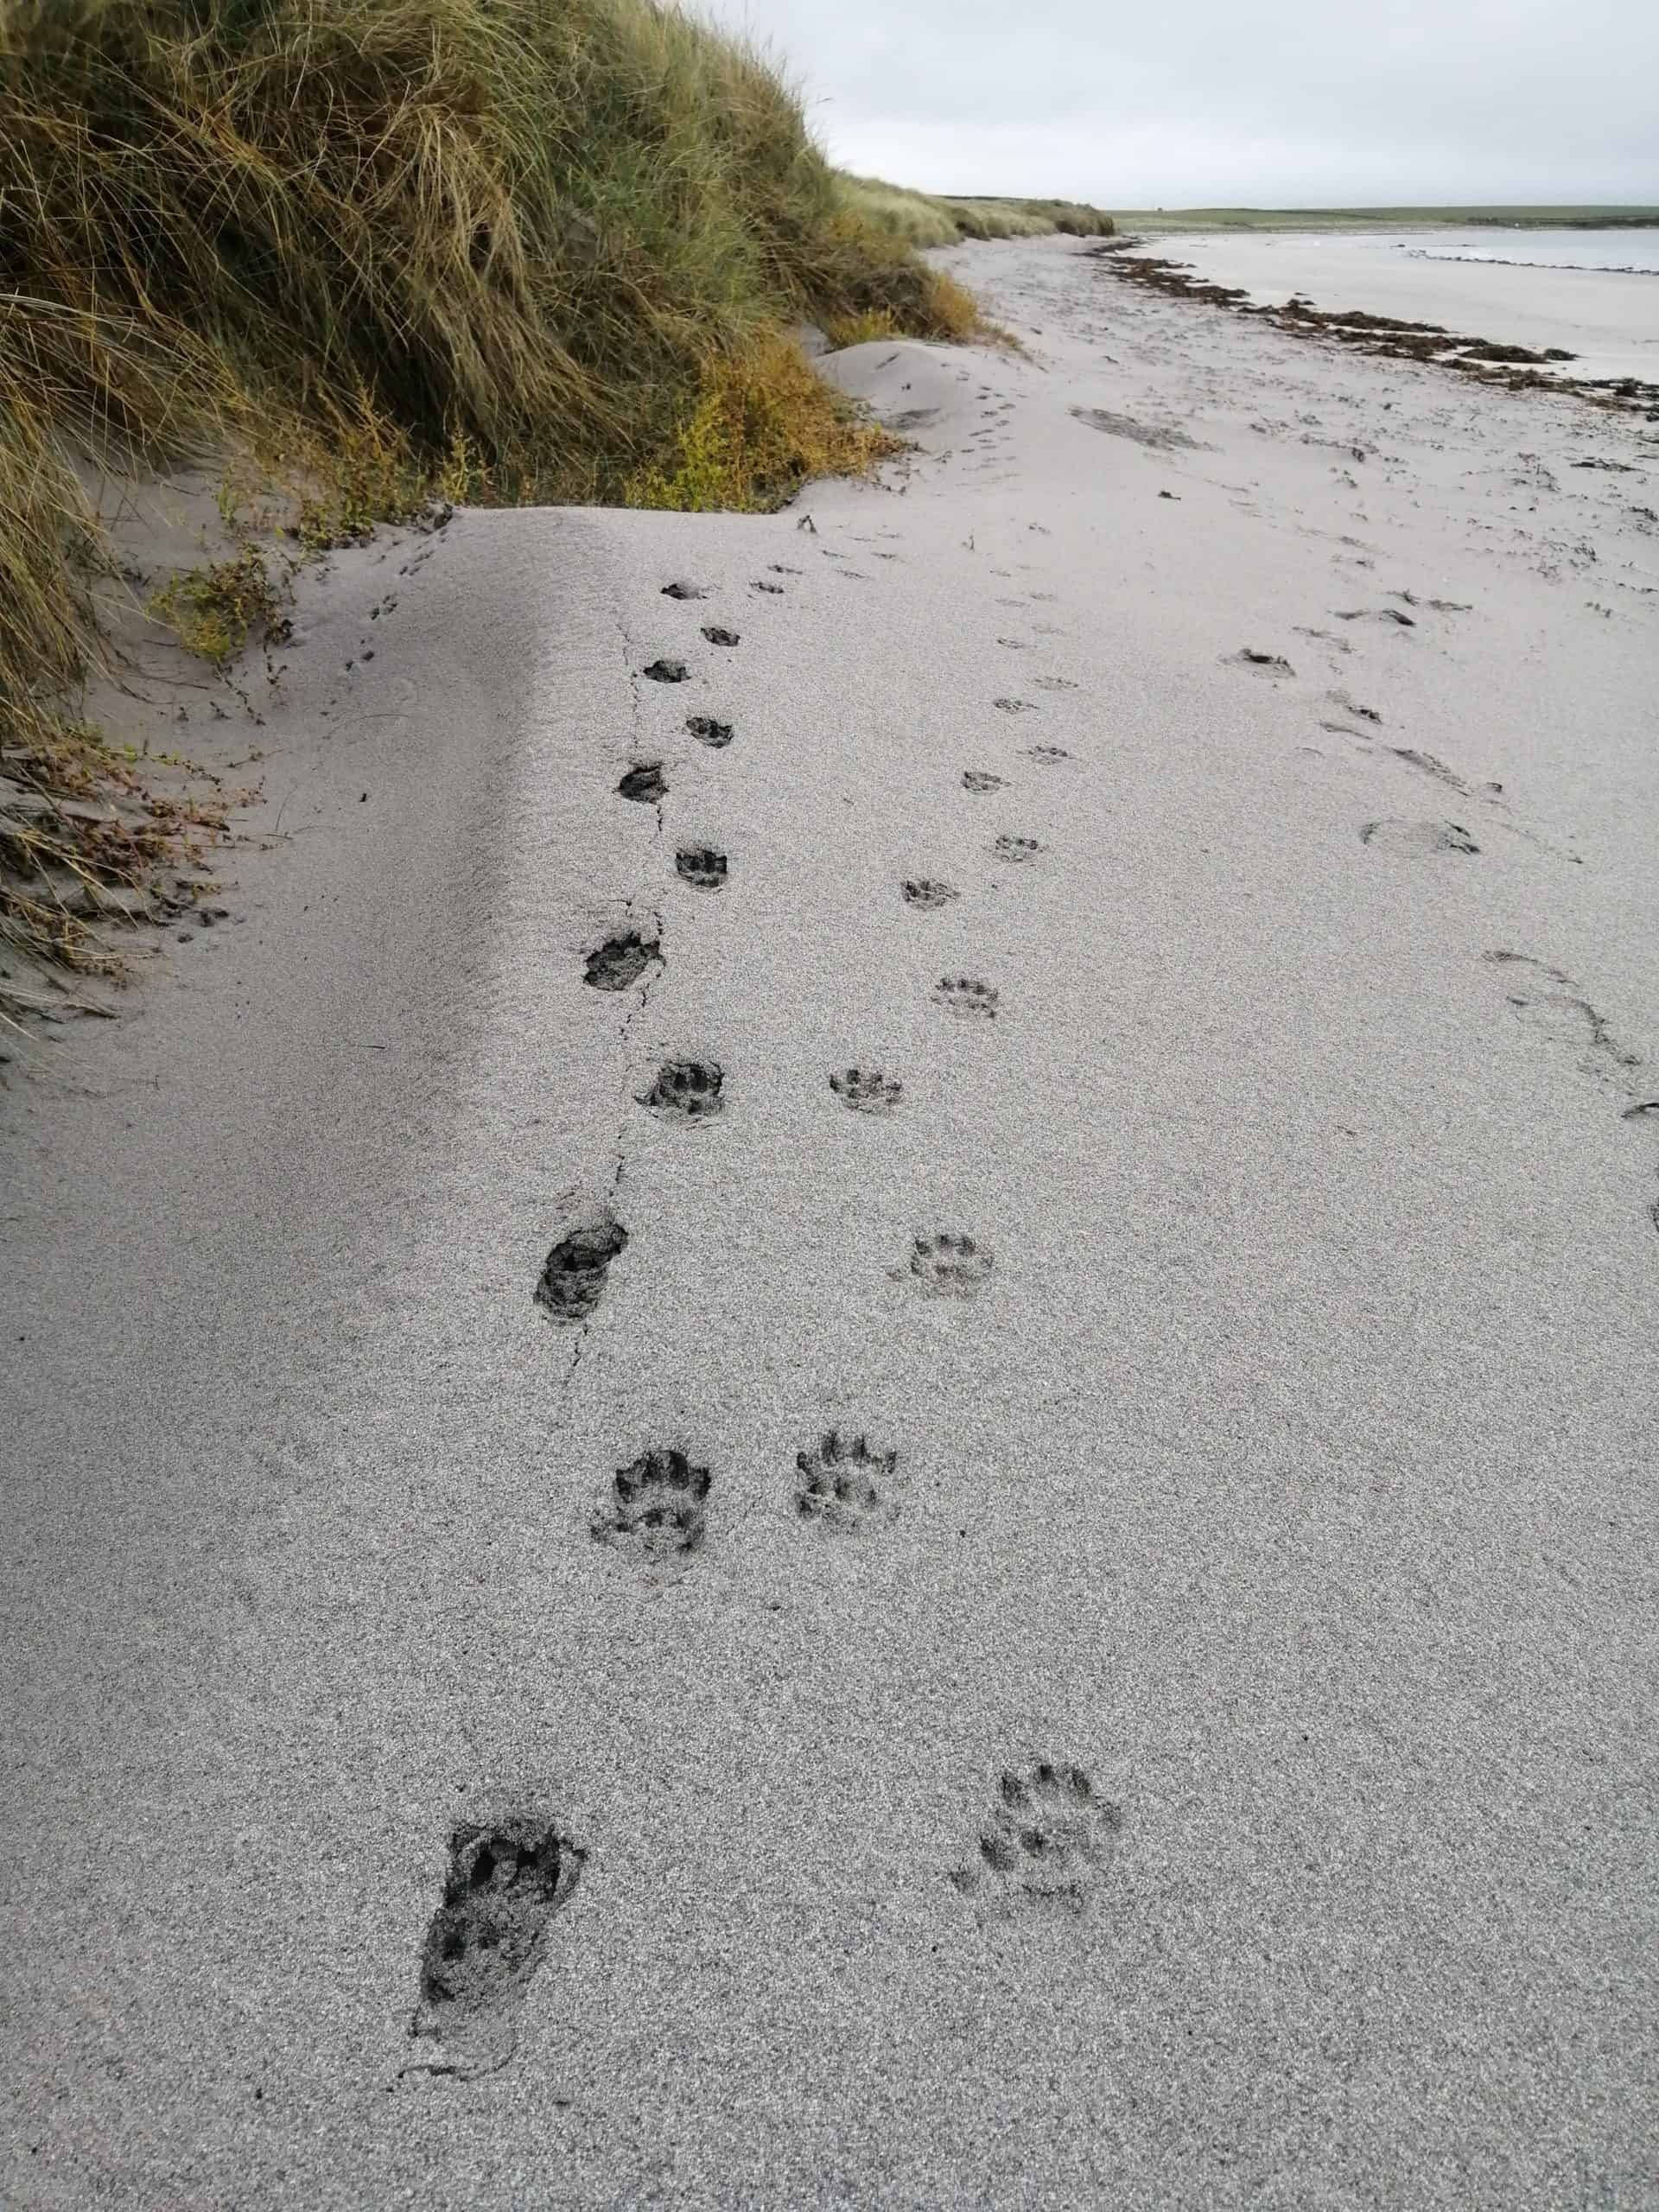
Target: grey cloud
{"points": [[1285, 102]]}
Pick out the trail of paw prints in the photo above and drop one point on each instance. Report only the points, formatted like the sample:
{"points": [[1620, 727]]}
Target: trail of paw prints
{"points": [[946, 1264], [1046, 1844], [508, 1876], [653, 1512], [843, 1488], [867, 1090]]}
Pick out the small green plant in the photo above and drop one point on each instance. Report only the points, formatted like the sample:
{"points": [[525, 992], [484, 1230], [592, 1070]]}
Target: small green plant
{"points": [[214, 611], [762, 425]]}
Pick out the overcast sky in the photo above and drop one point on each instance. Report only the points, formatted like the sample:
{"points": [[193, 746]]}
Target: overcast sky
{"points": [[1286, 103]]}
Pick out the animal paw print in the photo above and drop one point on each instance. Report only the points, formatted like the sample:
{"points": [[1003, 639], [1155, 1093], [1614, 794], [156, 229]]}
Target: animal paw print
{"points": [[572, 1279], [980, 779], [668, 671], [716, 636], [965, 996], [1015, 706], [700, 867], [653, 1511], [1047, 756], [646, 782], [1016, 848], [866, 1090], [760, 584], [685, 591], [707, 731], [619, 962], [838, 1490], [943, 1266], [690, 1090], [506, 1879], [1047, 1841], [1054, 683], [922, 890]]}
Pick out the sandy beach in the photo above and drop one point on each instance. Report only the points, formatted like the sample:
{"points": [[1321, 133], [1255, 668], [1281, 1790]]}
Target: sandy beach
{"points": [[1049, 1601]]}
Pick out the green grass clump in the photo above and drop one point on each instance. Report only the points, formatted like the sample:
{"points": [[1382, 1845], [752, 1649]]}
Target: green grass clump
{"points": [[214, 611]]}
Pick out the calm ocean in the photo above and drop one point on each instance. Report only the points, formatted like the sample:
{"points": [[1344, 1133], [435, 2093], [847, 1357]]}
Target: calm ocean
{"points": [[1630, 250]]}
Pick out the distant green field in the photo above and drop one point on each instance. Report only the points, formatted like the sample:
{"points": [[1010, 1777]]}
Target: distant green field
{"points": [[1392, 219]]}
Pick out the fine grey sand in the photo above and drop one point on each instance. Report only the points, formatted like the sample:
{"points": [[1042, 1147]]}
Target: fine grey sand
{"points": [[483, 1729]]}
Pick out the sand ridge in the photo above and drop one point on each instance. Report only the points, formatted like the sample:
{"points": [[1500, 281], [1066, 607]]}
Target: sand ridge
{"points": [[1046, 1601]]}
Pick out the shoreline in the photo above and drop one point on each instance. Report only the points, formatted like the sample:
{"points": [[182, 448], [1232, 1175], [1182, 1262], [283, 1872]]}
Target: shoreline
{"points": [[1513, 366]]}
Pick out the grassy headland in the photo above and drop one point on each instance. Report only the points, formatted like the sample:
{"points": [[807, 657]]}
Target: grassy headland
{"points": [[366, 254]]}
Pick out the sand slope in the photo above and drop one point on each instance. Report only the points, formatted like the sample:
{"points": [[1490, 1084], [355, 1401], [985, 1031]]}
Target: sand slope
{"points": [[1216, 1764]]}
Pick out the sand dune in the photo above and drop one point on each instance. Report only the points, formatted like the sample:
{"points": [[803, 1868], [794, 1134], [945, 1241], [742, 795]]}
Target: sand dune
{"points": [[863, 1411]]}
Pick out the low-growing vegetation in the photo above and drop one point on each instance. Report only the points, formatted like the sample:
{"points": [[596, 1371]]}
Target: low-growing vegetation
{"points": [[925, 219], [371, 254]]}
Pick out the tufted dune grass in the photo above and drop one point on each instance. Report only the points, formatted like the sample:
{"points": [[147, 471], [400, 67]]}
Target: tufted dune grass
{"points": [[366, 252]]}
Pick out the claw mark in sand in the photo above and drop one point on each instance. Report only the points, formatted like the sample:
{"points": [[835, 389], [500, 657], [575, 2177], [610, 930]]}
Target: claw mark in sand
{"points": [[508, 1876], [687, 1091], [1047, 1841], [947, 1266], [866, 1090], [653, 1511], [646, 782], [1416, 840], [619, 962], [837, 1490], [573, 1276], [700, 867], [922, 890]]}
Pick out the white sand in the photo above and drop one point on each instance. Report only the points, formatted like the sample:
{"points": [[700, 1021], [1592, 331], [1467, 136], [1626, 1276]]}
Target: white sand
{"points": [[1292, 1473], [1608, 317]]}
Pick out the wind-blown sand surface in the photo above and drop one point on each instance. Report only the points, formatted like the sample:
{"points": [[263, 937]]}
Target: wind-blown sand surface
{"points": [[1214, 1761], [1607, 318]]}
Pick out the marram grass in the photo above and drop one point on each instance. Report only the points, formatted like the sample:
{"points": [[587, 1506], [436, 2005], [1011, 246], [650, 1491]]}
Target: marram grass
{"points": [[379, 251]]}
